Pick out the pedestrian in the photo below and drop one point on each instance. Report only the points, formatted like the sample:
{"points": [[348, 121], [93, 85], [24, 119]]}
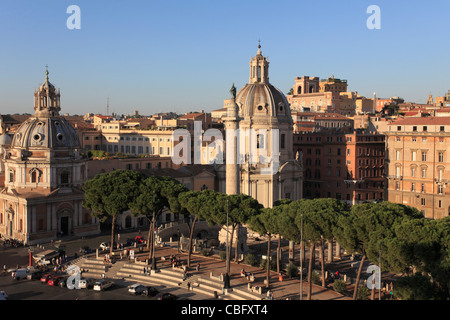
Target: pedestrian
{"points": [[189, 286], [4, 267], [198, 267]]}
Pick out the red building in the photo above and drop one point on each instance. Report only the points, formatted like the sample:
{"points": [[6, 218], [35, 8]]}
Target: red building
{"points": [[345, 166]]}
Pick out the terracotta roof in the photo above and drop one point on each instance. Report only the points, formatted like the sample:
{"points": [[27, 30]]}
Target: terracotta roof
{"points": [[422, 121], [192, 115]]}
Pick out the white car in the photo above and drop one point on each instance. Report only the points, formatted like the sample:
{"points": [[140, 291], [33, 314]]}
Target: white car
{"points": [[86, 283], [104, 246], [103, 285], [3, 295], [136, 288]]}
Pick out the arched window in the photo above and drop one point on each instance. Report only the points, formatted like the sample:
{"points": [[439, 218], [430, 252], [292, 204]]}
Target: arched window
{"points": [[283, 141]]}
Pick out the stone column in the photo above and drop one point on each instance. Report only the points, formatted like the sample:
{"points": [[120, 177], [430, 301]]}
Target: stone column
{"points": [[330, 250], [338, 250], [291, 251]]}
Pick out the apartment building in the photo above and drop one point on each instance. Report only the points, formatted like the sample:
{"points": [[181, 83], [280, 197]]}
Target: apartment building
{"points": [[418, 164]]}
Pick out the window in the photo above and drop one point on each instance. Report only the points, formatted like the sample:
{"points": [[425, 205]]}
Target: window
{"points": [[424, 156], [442, 129], [414, 156], [424, 173], [441, 157], [64, 178], [397, 172], [413, 172], [413, 187], [422, 189], [397, 155], [425, 128], [440, 174], [422, 201], [440, 189]]}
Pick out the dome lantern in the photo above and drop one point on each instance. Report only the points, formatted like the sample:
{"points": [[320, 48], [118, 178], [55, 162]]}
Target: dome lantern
{"points": [[47, 99]]}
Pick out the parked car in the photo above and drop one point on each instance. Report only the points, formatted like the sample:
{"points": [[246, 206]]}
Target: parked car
{"points": [[3, 295], [104, 246], [34, 274], [63, 282], [85, 250], [54, 281], [129, 242], [103, 285], [167, 296], [139, 239], [136, 288], [46, 277], [19, 274], [150, 292], [86, 283]]}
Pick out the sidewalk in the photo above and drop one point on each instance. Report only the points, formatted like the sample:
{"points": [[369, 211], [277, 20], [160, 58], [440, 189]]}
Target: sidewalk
{"points": [[287, 289]]}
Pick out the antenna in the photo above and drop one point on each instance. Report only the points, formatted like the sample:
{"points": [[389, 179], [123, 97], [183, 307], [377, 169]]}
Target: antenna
{"points": [[107, 106]]}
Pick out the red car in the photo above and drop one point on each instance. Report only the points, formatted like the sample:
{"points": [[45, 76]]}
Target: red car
{"points": [[54, 281], [139, 239], [46, 277]]}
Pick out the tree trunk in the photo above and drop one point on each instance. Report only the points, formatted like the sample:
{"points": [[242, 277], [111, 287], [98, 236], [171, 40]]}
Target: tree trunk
{"points": [[111, 247], [312, 248], [278, 253], [322, 258], [236, 250], [358, 277], [149, 233], [268, 263], [230, 246], [191, 234], [303, 252], [373, 288], [151, 241]]}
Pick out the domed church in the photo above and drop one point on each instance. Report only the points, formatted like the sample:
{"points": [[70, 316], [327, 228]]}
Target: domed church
{"points": [[42, 175], [260, 159]]}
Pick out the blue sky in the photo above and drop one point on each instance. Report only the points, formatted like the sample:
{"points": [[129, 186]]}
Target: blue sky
{"points": [[156, 56]]}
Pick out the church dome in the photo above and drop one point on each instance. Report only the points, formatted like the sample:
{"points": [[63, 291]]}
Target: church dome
{"points": [[258, 98], [46, 129], [54, 133], [262, 99], [5, 140]]}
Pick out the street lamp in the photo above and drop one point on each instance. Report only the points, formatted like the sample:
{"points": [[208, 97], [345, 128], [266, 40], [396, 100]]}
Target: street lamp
{"points": [[379, 263], [301, 260], [226, 279], [178, 233], [154, 242]]}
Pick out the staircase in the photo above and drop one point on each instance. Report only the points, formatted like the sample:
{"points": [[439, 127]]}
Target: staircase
{"points": [[173, 277]]}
